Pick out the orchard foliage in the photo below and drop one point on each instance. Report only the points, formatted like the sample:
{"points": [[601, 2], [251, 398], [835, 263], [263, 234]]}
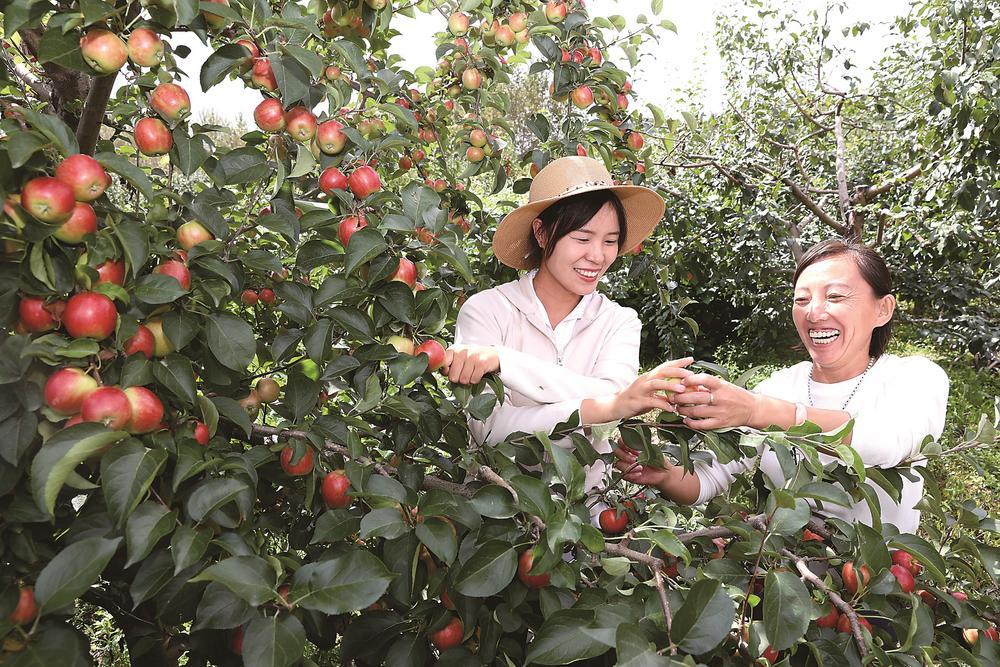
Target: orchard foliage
{"points": [[219, 420]]}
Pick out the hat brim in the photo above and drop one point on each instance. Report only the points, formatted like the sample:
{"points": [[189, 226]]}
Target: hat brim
{"points": [[643, 210]]}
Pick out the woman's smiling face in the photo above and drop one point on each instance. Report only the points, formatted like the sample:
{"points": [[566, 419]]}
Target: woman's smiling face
{"points": [[580, 258], [835, 312]]}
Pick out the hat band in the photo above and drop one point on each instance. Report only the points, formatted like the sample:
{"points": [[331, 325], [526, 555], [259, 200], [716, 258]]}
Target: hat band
{"points": [[581, 186]]}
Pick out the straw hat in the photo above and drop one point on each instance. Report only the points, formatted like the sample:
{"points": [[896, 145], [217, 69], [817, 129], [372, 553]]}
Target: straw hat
{"points": [[563, 178]]}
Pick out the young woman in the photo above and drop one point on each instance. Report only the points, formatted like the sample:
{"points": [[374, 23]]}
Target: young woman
{"points": [[558, 345], [842, 309]]}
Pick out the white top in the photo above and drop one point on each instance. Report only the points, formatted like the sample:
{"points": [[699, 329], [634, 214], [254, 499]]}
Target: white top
{"points": [[899, 403], [563, 331]]}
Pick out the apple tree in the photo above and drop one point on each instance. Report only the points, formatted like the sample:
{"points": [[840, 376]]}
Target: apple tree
{"points": [[220, 420]]}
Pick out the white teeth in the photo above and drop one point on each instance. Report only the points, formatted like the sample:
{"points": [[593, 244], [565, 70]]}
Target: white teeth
{"points": [[587, 274], [823, 336]]}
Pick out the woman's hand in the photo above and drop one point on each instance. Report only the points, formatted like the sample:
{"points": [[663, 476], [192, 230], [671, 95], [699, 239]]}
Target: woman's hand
{"points": [[645, 393], [710, 402], [632, 471], [467, 364]]}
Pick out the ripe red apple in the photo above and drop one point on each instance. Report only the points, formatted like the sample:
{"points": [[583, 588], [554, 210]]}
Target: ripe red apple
{"points": [[84, 175], [26, 609], [176, 270], [612, 522], [152, 137], [147, 410], [214, 20], [474, 154], [970, 636], [349, 225], [850, 576], [434, 351], [808, 535], [163, 346], [35, 317], [201, 434], [268, 390], [596, 55], [270, 115], [332, 179], [267, 296], [770, 654], [363, 181], [961, 596], [406, 272], [458, 24], [109, 406], [48, 199], [191, 234], [403, 345], [583, 97], [449, 636], [330, 137], [300, 123], [524, 564], [90, 315], [103, 50], [844, 624], [298, 468], [635, 140], [170, 101], [334, 490], [830, 619], [141, 342], [111, 271], [904, 577], [145, 48], [332, 73], [262, 75], [505, 36], [555, 11], [929, 599], [622, 102], [249, 297], [66, 389], [518, 21], [472, 78], [905, 559]]}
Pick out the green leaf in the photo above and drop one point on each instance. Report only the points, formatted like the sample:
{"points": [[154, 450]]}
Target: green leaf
{"points": [[145, 527], [231, 340], [383, 522], [309, 59], [60, 455], [135, 243], [439, 536], [565, 637], [335, 525], [52, 645], [365, 245], [347, 582], [568, 468], [273, 641], [923, 551], [249, 577], [244, 165], [494, 502], [133, 174], [668, 542], [704, 619], [68, 576], [873, 549], [220, 63], [292, 77], [533, 496], [221, 609], [187, 546], [126, 474], [635, 650], [787, 606], [827, 493], [21, 146], [211, 494], [176, 374], [154, 573], [156, 289], [58, 132], [62, 49], [488, 571], [231, 410]]}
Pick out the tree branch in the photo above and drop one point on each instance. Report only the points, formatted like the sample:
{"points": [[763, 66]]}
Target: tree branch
{"points": [[842, 194], [89, 129], [814, 207], [865, 195]]}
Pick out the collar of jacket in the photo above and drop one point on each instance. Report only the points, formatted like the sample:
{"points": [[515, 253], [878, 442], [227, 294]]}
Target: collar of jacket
{"points": [[520, 294]]}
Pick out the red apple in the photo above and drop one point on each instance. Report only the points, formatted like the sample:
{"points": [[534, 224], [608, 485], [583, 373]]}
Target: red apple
{"points": [[596, 55], [330, 137], [103, 50], [458, 24], [505, 36], [622, 102], [84, 175], [145, 48], [191, 234], [90, 315], [904, 577], [262, 75], [332, 179], [147, 410], [141, 342], [48, 199], [449, 636], [297, 468], [478, 138], [472, 79], [434, 351], [830, 619], [555, 11], [170, 101], [268, 390], [270, 115], [908, 561], [26, 609], [334, 490], [807, 535], [844, 624], [518, 21], [111, 271], [349, 225], [929, 599], [612, 522], [583, 97], [66, 389], [300, 123], [961, 596], [82, 223], [363, 181], [770, 654], [850, 576], [176, 270], [201, 434], [635, 140], [332, 73], [474, 154], [35, 317], [524, 564], [152, 137], [109, 406], [249, 297], [163, 346], [406, 272], [267, 296]]}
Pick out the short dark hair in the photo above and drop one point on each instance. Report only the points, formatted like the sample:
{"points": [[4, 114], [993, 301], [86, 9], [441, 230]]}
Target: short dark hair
{"points": [[873, 269], [570, 214]]}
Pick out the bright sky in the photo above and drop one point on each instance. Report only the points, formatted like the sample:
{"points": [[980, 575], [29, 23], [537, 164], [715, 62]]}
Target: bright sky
{"points": [[690, 56]]}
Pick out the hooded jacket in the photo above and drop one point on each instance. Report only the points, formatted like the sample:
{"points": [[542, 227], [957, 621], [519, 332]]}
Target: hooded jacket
{"points": [[543, 384]]}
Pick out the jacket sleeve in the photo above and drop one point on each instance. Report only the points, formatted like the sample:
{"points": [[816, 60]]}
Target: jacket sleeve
{"points": [[545, 382], [912, 406]]}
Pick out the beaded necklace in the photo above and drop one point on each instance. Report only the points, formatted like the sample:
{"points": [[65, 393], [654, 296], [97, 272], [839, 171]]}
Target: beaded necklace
{"points": [[871, 362]]}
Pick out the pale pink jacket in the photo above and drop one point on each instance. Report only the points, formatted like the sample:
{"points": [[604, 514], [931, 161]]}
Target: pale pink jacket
{"points": [[544, 385]]}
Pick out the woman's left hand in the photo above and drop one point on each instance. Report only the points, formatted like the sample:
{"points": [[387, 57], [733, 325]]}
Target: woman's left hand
{"points": [[709, 402]]}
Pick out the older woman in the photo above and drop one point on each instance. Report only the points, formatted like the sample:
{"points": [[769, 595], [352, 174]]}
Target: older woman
{"points": [[842, 308]]}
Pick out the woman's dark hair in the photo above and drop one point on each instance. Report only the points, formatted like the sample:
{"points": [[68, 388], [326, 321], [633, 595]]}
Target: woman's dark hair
{"points": [[873, 270], [570, 214]]}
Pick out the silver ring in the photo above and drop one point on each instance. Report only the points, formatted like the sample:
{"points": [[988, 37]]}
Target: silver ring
{"points": [[711, 398]]}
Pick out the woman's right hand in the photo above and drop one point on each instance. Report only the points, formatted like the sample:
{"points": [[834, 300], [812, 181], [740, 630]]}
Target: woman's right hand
{"points": [[467, 364], [646, 391]]}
